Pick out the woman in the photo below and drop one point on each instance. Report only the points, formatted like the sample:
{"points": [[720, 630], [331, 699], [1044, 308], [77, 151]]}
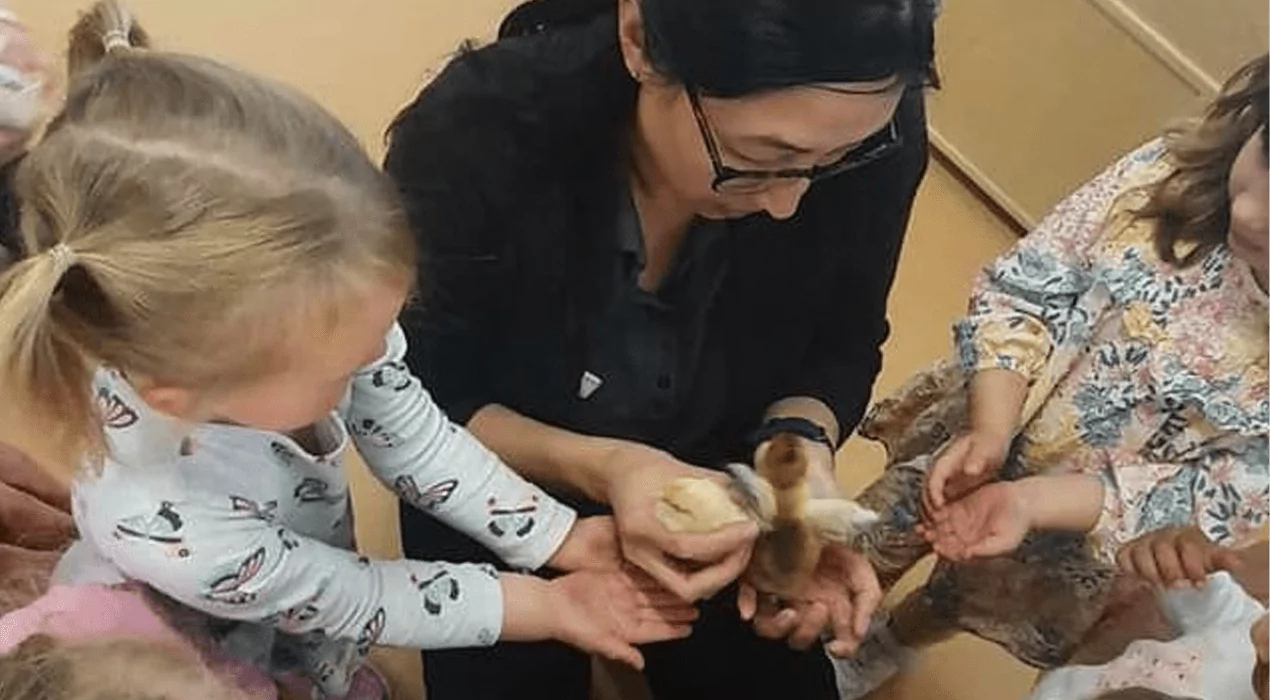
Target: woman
{"points": [[1113, 380], [658, 237]]}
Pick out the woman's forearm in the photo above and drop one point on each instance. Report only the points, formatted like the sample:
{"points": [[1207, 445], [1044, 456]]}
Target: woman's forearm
{"points": [[996, 402], [545, 454], [1071, 502]]}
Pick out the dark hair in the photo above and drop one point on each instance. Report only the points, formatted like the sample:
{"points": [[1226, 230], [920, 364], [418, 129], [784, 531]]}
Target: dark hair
{"points": [[728, 48], [1192, 204]]}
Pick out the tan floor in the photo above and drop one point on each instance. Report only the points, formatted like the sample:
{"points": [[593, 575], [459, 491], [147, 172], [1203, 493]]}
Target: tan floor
{"points": [[365, 59]]}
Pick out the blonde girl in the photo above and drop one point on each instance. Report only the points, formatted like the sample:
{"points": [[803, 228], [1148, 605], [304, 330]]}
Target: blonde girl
{"points": [[205, 312]]}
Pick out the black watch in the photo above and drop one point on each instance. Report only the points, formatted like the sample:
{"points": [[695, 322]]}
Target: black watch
{"points": [[793, 425]]}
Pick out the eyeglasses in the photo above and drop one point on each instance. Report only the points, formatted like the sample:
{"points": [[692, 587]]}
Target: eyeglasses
{"points": [[737, 181]]}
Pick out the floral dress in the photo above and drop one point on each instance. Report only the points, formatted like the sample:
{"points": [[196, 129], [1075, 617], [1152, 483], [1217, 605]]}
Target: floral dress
{"points": [[1151, 376]]}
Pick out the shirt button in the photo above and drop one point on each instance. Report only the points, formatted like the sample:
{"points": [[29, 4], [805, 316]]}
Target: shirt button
{"points": [[663, 382]]}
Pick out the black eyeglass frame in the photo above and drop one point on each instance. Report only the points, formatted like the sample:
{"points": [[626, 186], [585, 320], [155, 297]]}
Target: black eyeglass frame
{"points": [[872, 149]]}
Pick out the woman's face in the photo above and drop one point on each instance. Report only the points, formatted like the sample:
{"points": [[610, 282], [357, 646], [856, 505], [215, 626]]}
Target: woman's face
{"points": [[791, 129], [1250, 207], [795, 128]]}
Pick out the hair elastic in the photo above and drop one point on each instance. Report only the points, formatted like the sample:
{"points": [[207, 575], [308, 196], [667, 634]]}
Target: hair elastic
{"points": [[116, 39], [63, 257]]}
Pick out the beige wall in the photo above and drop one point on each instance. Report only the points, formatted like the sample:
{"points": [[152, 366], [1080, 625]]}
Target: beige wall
{"points": [[1216, 35], [1040, 95], [361, 58]]}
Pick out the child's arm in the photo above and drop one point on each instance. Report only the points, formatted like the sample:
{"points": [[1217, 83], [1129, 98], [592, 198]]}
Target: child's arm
{"points": [[1116, 497], [233, 563], [994, 519], [1021, 308], [437, 466]]}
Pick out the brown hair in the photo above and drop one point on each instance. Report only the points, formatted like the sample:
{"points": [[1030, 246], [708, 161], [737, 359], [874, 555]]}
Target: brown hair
{"points": [[181, 219], [120, 669], [1192, 204]]}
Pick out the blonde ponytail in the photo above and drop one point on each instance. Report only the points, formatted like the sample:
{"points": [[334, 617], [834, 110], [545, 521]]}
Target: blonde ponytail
{"points": [[183, 222], [106, 28], [45, 375]]}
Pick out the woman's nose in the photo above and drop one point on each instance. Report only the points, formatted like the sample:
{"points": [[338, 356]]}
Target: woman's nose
{"points": [[781, 200]]}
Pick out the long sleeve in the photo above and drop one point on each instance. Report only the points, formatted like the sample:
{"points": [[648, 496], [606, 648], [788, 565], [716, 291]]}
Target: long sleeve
{"points": [[1022, 305], [437, 466], [1224, 492], [221, 556], [846, 354]]}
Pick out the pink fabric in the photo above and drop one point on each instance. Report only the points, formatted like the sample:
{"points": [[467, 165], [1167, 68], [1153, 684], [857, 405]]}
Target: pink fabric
{"points": [[87, 613], [92, 613]]}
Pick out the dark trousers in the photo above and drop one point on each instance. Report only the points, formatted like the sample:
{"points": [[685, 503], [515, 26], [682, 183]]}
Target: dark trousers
{"points": [[722, 659]]}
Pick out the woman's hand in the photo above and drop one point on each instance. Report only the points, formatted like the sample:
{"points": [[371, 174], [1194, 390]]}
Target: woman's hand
{"points": [[968, 462], [692, 566], [591, 544], [1175, 557], [990, 521], [841, 598]]}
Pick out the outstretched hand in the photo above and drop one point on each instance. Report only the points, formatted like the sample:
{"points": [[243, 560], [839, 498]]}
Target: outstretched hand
{"points": [[609, 613], [984, 523]]}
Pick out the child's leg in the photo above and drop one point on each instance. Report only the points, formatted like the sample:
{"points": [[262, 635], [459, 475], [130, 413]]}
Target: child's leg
{"points": [[1038, 603], [916, 623]]}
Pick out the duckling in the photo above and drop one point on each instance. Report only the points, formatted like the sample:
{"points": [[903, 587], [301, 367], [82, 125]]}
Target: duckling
{"points": [[794, 527]]}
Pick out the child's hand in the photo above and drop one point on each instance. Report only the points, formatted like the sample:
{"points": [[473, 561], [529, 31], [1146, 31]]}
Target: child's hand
{"points": [[969, 462], [1175, 557], [591, 544], [988, 522], [608, 613]]}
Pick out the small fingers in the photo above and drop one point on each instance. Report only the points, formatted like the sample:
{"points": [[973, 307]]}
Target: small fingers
{"points": [[945, 466], [1195, 560], [1168, 564], [1124, 560], [1144, 564]]}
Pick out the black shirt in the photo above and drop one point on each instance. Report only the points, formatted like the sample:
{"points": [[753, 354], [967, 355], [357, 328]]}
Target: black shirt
{"points": [[508, 163], [643, 349]]}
